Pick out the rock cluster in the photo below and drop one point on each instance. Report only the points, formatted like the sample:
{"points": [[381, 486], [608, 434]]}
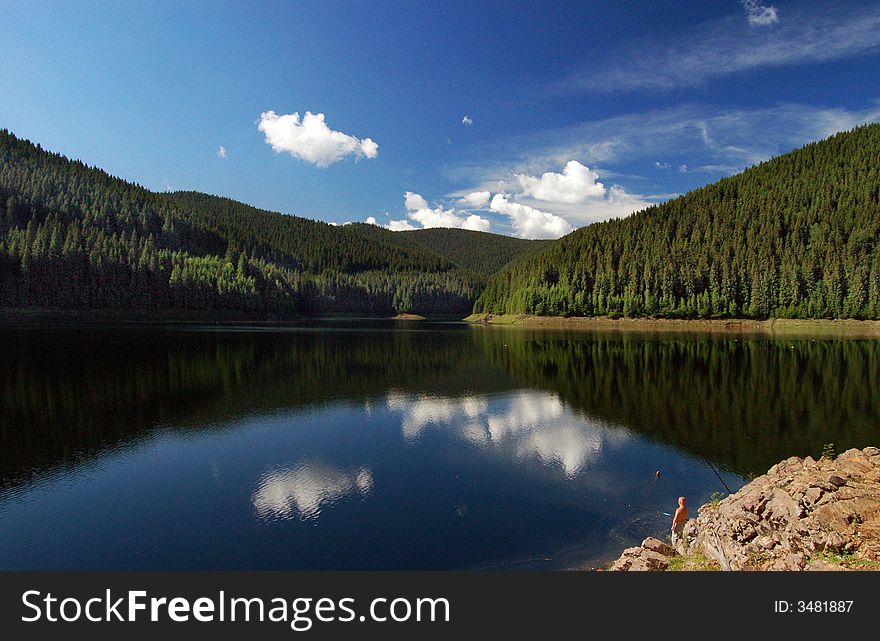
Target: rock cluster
{"points": [[653, 554], [802, 515]]}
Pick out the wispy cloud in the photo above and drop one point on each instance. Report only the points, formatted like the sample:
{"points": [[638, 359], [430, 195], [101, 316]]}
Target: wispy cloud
{"points": [[733, 45], [221, 152], [692, 133], [759, 15], [694, 138], [467, 120], [310, 139]]}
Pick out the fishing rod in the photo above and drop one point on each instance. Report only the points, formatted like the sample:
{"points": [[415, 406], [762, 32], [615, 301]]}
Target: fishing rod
{"points": [[638, 507], [716, 474]]}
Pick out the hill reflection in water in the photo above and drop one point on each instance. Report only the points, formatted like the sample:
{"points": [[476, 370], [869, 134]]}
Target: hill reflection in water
{"points": [[370, 445]]}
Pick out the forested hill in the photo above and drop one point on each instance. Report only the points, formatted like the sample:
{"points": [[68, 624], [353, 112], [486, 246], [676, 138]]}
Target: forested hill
{"points": [[74, 237], [299, 243], [477, 251], [796, 236]]}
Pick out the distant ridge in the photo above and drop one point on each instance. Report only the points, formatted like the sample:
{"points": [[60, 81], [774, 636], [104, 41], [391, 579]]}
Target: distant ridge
{"points": [[477, 251]]}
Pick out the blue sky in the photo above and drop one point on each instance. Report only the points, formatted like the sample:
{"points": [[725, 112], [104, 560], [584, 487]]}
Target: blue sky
{"points": [[523, 120]]}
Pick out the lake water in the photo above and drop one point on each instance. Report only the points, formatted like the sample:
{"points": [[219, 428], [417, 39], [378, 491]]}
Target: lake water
{"points": [[381, 445]]}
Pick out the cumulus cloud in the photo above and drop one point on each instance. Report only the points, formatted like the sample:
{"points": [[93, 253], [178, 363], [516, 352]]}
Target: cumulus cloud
{"points": [[661, 165], [418, 210], [414, 202], [475, 199], [401, 225], [371, 220], [575, 196], [221, 153], [310, 139], [759, 15], [467, 120], [551, 204], [529, 222], [575, 184]]}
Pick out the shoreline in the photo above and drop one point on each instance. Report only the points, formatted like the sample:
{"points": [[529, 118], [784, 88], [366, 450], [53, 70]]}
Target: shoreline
{"points": [[102, 316], [849, 328], [85, 316], [778, 327]]}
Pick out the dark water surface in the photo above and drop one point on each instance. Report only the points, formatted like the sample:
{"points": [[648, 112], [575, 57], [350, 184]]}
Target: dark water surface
{"points": [[375, 445]]}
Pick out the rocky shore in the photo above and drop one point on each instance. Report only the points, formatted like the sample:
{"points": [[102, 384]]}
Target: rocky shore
{"points": [[802, 514]]}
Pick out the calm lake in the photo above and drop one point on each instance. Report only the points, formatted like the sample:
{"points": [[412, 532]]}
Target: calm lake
{"points": [[382, 445]]}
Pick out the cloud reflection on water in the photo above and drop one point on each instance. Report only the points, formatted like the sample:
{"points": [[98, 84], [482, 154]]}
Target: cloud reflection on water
{"points": [[536, 424], [304, 490], [533, 425]]}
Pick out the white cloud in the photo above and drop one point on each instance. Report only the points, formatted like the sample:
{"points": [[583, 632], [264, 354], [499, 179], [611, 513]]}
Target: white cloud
{"points": [[475, 199], [467, 120], [661, 165], [414, 202], [731, 46], [476, 223], [529, 222], [683, 168], [759, 15], [418, 210], [575, 184], [401, 225], [310, 138], [221, 153], [575, 195], [619, 196], [371, 220]]}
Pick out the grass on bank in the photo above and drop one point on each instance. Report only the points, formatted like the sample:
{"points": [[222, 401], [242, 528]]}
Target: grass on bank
{"points": [[696, 561], [847, 560]]}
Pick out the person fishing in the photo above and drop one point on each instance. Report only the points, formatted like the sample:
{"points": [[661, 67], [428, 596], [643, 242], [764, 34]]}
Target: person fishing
{"points": [[678, 521]]}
